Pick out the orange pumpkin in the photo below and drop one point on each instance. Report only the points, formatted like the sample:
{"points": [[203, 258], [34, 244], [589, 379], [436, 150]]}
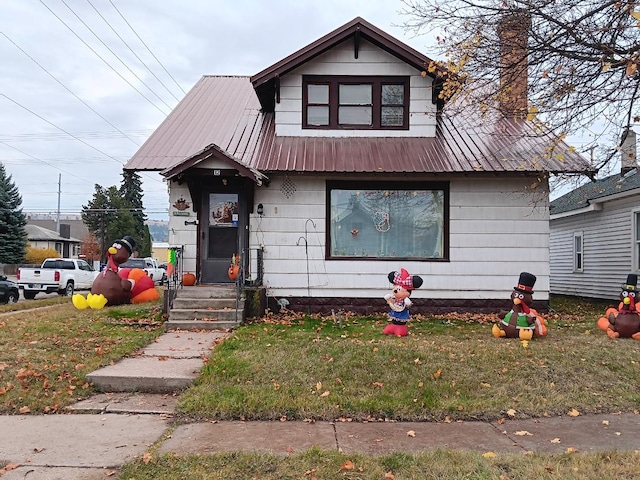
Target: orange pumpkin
{"points": [[188, 279], [233, 272]]}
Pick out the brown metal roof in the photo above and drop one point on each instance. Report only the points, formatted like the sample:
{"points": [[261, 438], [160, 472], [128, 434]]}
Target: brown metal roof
{"points": [[266, 81], [220, 110], [220, 117]]}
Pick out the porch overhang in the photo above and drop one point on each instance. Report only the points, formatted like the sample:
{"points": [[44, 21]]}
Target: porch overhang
{"points": [[209, 152]]}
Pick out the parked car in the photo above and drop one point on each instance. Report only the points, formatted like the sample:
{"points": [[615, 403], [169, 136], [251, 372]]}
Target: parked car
{"points": [[9, 292], [149, 265], [62, 275]]}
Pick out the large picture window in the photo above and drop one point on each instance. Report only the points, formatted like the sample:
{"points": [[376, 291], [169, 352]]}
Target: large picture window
{"points": [[382, 220], [380, 103]]}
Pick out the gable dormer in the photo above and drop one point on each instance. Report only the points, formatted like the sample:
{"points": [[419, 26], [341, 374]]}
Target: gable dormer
{"points": [[357, 81]]}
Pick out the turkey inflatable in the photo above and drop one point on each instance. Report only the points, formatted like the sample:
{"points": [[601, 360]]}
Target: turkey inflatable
{"points": [[521, 321], [114, 286], [625, 321], [399, 302]]}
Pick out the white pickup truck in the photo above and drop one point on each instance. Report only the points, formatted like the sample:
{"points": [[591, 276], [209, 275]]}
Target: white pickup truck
{"points": [[62, 275], [149, 265]]}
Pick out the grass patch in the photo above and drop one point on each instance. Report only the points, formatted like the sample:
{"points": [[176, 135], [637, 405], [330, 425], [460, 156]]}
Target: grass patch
{"points": [[299, 367], [436, 464], [31, 304], [46, 353]]}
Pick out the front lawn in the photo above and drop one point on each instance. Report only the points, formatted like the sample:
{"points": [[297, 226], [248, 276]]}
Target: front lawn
{"points": [[45, 353], [450, 367]]}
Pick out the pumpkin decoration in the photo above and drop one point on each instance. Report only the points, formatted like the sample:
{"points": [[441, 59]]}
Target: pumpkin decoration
{"points": [[188, 279], [234, 268]]}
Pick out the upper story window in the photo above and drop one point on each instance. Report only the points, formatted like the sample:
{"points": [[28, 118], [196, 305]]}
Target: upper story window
{"points": [[376, 103]]}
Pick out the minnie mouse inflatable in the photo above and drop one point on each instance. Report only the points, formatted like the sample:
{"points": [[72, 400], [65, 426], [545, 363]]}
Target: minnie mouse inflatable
{"points": [[398, 300]]}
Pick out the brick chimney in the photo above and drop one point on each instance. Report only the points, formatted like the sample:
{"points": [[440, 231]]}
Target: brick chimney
{"points": [[628, 160], [513, 34]]}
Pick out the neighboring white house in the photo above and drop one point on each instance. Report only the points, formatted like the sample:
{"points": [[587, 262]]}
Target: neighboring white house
{"points": [[64, 244], [595, 233], [340, 164]]}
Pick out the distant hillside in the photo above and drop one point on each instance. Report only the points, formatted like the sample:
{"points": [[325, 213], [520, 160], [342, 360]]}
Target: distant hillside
{"points": [[159, 230]]}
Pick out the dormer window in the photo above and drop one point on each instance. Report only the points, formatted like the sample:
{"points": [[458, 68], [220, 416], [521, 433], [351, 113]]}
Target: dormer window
{"points": [[375, 103]]}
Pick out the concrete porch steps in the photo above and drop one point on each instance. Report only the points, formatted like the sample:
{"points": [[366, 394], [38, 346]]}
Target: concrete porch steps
{"points": [[206, 307]]}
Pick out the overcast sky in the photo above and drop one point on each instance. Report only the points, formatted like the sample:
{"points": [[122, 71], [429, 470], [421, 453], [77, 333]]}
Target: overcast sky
{"points": [[83, 83]]}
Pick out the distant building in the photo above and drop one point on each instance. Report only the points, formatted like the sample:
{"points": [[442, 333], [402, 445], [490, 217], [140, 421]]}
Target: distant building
{"points": [[64, 244]]}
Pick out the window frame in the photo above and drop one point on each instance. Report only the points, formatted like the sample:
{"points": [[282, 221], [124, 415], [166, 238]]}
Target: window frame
{"points": [[334, 83], [635, 220], [578, 256], [386, 185]]}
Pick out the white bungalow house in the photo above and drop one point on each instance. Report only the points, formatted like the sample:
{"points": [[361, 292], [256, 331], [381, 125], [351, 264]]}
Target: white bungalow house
{"points": [[595, 233], [340, 164], [63, 243]]}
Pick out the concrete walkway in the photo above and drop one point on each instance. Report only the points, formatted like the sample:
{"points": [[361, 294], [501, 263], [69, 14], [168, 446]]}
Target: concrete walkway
{"points": [[107, 430]]}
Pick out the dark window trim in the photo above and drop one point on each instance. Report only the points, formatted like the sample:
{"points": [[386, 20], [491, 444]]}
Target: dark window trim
{"points": [[386, 185], [335, 81]]}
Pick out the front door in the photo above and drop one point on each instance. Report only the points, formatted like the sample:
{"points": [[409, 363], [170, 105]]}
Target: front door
{"points": [[222, 234]]}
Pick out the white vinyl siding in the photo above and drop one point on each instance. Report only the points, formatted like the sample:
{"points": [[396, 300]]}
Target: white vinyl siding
{"points": [[496, 232], [608, 250]]}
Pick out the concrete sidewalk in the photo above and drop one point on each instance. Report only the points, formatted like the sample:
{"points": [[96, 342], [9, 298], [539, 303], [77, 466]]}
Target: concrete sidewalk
{"points": [[89, 446]]}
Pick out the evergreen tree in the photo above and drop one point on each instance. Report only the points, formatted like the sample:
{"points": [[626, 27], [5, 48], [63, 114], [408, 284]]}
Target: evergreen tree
{"points": [[115, 212], [131, 191], [13, 237], [108, 217]]}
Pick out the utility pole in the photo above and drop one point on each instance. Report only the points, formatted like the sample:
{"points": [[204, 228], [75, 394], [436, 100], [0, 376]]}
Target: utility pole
{"points": [[59, 193]]}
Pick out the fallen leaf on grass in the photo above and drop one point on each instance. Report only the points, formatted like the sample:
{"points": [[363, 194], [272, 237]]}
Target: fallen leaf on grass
{"points": [[489, 455], [571, 450], [146, 458], [437, 374], [348, 465], [325, 394], [389, 476], [511, 412], [573, 412]]}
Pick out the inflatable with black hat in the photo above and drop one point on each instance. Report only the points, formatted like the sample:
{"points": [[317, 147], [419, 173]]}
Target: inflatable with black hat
{"points": [[115, 286], [521, 321], [624, 322]]}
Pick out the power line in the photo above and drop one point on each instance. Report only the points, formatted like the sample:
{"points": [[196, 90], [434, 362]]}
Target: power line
{"points": [[152, 54], [115, 54], [68, 90], [46, 163], [132, 51], [105, 62], [68, 133]]}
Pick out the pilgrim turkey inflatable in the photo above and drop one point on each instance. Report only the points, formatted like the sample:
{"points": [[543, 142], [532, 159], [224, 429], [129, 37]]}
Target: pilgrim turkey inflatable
{"points": [[624, 322], [115, 286], [521, 321]]}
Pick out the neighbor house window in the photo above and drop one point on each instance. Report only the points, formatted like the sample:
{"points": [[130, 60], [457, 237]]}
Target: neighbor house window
{"points": [[383, 220], [578, 252], [377, 103]]}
